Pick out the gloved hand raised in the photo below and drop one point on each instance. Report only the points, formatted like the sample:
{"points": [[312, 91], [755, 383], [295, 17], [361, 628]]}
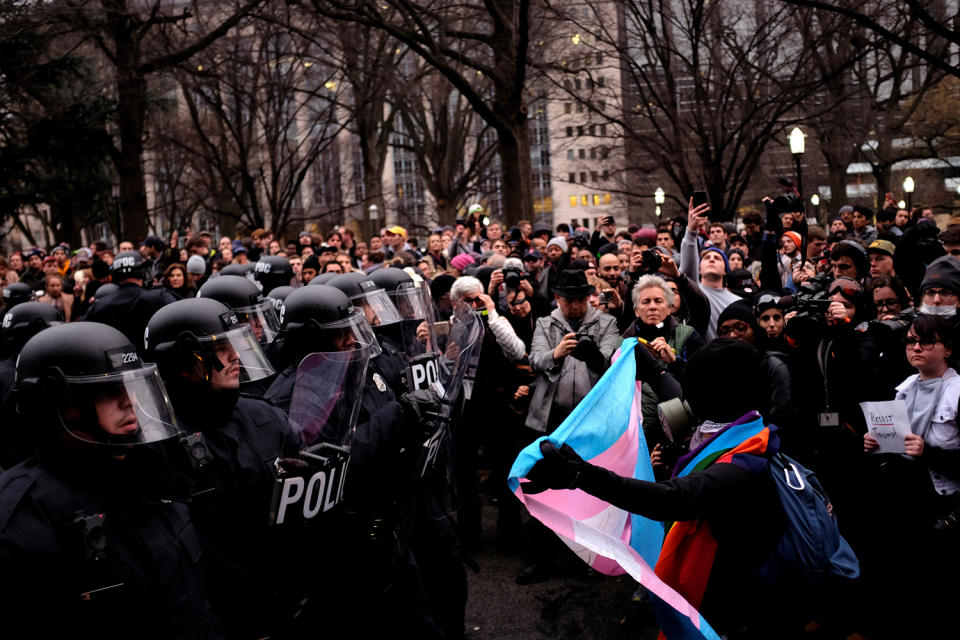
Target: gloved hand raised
{"points": [[420, 404], [559, 469]]}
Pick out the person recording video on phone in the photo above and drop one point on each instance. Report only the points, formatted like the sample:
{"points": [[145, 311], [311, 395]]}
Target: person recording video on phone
{"points": [[709, 267]]}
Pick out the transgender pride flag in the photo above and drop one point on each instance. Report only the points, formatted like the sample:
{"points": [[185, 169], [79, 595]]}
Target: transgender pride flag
{"points": [[605, 430]]}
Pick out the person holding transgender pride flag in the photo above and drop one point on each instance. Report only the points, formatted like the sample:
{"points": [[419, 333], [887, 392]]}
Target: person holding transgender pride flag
{"points": [[720, 511]]}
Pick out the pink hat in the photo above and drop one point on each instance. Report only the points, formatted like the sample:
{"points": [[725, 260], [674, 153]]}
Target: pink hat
{"points": [[461, 261]]}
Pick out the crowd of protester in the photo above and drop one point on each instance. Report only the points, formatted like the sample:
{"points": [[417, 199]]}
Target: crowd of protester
{"points": [[860, 309]]}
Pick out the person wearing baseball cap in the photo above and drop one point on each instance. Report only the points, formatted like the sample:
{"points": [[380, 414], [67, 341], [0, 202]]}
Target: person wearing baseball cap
{"points": [[881, 253]]}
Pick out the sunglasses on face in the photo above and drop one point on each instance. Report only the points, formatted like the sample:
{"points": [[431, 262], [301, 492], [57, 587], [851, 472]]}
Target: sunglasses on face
{"points": [[516, 302]]}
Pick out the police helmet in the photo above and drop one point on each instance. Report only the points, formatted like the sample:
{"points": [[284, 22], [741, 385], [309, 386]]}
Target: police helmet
{"points": [[323, 318], [90, 378], [202, 331], [127, 264], [324, 278], [25, 321], [364, 293], [411, 300], [105, 290], [272, 272], [247, 301], [244, 270], [17, 293]]}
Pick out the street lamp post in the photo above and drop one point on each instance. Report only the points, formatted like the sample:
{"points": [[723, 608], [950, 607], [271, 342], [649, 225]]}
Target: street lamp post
{"points": [[908, 186], [797, 144], [659, 197], [815, 201]]}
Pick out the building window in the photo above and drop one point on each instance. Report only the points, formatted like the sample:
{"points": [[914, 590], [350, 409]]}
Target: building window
{"points": [[593, 176], [593, 129], [573, 201], [566, 84], [569, 132], [569, 154], [583, 177], [600, 81], [593, 153], [606, 198], [567, 107], [596, 199], [572, 178], [599, 58], [576, 83], [583, 200], [579, 130], [603, 131], [579, 107], [583, 154], [606, 174]]}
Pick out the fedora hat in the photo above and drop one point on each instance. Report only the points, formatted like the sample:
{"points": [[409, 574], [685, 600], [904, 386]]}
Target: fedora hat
{"points": [[572, 283]]}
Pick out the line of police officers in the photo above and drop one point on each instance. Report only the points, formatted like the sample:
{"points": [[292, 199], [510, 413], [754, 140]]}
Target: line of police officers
{"points": [[259, 461]]}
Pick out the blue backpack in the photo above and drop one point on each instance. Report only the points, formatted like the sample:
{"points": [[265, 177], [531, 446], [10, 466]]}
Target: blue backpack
{"points": [[811, 546]]}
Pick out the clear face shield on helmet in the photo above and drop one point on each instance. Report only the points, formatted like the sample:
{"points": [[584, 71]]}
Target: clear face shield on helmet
{"points": [[123, 408], [415, 336], [237, 356], [262, 319], [323, 416], [376, 307], [352, 333]]}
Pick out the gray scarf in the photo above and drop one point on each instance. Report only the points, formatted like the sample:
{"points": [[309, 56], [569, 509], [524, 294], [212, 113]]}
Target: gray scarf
{"points": [[922, 399]]}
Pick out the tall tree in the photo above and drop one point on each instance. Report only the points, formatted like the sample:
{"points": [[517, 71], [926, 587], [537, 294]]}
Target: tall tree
{"points": [[464, 42]]}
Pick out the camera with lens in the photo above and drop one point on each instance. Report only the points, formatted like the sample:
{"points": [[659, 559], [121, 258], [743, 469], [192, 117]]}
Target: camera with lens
{"points": [[650, 261], [811, 304], [580, 240], [606, 297], [512, 277], [891, 333]]}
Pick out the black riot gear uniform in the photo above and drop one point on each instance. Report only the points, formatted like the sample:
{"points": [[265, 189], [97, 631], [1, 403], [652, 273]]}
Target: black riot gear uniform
{"points": [[131, 307], [240, 437], [95, 522], [19, 325], [317, 318], [272, 272], [17, 293]]}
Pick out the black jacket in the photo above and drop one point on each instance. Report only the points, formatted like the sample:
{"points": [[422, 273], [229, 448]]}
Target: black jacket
{"points": [[148, 583], [129, 310]]}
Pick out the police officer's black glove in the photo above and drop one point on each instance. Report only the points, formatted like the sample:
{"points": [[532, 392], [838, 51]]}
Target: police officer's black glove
{"points": [[419, 406], [560, 469]]}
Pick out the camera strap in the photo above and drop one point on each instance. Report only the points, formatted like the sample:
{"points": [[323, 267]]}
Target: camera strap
{"points": [[828, 418]]}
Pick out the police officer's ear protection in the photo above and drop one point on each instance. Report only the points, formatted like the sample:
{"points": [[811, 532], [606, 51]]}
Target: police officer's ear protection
{"points": [[45, 391]]}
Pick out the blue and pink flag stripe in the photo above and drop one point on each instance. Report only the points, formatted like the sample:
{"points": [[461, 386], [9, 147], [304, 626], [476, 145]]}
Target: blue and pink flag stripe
{"points": [[605, 429]]}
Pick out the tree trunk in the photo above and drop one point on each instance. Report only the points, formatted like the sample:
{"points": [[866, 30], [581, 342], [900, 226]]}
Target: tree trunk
{"points": [[516, 173], [131, 115]]}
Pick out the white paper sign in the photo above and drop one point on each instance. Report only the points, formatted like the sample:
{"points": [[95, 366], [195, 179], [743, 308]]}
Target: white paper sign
{"points": [[888, 423]]}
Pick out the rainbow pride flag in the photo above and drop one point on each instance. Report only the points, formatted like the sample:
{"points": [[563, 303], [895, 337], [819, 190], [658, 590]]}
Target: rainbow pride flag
{"points": [[606, 431]]}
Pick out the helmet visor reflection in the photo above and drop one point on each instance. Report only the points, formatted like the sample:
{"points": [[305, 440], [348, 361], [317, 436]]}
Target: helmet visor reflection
{"points": [[262, 319], [126, 408], [239, 347]]}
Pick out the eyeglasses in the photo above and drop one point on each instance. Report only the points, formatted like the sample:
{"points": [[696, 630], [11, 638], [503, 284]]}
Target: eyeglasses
{"points": [[913, 341], [887, 304], [472, 300], [945, 294], [516, 302], [740, 328]]}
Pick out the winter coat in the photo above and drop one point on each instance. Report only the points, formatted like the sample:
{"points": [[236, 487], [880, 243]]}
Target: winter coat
{"points": [[565, 383]]}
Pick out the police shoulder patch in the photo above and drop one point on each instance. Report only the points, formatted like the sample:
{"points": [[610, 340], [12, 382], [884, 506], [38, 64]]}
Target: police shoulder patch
{"points": [[381, 385]]}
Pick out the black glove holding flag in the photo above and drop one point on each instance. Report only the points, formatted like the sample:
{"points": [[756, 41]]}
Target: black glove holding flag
{"points": [[560, 469]]}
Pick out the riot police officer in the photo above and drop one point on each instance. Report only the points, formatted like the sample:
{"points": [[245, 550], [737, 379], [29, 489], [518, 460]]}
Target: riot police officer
{"points": [[130, 308], [272, 272], [321, 318], [245, 299], [17, 293], [19, 325], [203, 353], [96, 540]]}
